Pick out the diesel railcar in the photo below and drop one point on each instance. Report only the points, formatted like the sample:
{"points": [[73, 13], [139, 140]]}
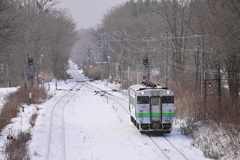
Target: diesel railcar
{"points": [[152, 108]]}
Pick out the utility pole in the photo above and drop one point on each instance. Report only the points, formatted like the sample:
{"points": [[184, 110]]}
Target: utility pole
{"points": [[202, 68], [208, 83], [102, 42], [89, 47], [109, 38], [148, 61], [219, 88], [202, 61], [166, 55], [121, 68], [205, 83]]}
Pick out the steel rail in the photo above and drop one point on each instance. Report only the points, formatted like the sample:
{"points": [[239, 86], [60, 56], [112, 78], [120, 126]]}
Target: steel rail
{"points": [[62, 122]]}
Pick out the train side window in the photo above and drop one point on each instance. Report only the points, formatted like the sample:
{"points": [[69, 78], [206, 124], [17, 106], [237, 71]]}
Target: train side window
{"points": [[142, 100], [167, 99]]}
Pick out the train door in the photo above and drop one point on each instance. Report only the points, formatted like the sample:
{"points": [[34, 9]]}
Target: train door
{"points": [[155, 109]]}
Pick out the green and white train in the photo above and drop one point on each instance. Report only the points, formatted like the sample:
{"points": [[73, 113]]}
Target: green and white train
{"points": [[151, 108]]}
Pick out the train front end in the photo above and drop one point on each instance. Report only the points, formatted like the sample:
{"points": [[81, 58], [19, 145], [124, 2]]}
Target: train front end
{"points": [[152, 109]]}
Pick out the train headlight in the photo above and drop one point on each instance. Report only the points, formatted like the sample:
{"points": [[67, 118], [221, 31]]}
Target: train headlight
{"points": [[142, 92], [168, 92]]}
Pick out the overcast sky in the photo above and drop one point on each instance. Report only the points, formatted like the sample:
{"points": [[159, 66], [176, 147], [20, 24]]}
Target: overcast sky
{"points": [[88, 13]]}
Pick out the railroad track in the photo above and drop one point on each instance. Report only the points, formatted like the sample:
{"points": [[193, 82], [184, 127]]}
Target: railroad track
{"points": [[157, 141], [108, 95], [57, 129], [56, 133], [169, 151]]}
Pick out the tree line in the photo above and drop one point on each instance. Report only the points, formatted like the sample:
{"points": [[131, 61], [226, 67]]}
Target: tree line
{"points": [[34, 28], [201, 34]]}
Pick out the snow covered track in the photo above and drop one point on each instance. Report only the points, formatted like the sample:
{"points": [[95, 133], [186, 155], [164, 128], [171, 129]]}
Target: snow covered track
{"points": [[56, 132], [122, 102], [158, 141]]}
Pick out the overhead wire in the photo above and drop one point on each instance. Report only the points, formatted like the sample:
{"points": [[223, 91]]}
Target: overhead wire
{"points": [[174, 49], [170, 37], [186, 67], [134, 46], [171, 64], [140, 39], [127, 48]]}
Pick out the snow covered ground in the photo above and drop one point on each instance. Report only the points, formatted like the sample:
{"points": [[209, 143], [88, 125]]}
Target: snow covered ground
{"points": [[93, 129], [3, 93]]}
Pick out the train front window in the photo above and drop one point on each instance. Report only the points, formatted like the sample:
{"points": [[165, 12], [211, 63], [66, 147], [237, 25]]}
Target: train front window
{"points": [[142, 100], [155, 101], [167, 99]]}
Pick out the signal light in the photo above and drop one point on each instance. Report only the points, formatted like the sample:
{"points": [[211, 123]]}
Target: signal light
{"points": [[145, 61], [209, 84], [203, 83], [30, 61]]}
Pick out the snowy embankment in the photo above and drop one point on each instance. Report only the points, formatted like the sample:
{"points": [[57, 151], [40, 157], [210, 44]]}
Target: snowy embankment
{"points": [[3, 93]]}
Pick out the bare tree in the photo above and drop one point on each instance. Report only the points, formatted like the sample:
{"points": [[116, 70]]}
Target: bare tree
{"points": [[34, 29]]}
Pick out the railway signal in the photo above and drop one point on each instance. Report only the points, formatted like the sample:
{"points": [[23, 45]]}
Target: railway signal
{"points": [[119, 71], [209, 84], [145, 61], [203, 83], [30, 61]]}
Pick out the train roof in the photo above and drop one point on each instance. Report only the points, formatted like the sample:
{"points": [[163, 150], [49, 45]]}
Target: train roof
{"points": [[140, 87]]}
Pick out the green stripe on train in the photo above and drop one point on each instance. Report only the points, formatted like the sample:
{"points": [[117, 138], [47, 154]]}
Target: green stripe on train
{"points": [[154, 114]]}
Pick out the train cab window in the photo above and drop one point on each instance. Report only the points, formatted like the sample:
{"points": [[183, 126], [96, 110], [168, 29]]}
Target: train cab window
{"points": [[142, 100], [167, 99], [155, 100]]}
